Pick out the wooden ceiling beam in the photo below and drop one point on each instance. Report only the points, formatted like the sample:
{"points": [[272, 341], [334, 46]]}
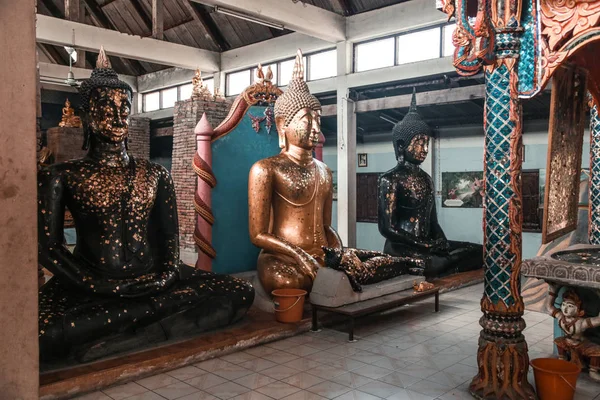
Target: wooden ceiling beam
{"points": [[296, 16], [158, 13], [134, 66], [53, 54], [54, 11], [139, 8], [200, 14], [75, 11], [96, 12], [61, 32]]}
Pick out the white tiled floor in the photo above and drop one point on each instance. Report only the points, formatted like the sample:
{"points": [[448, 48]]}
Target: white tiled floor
{"points": [[408, 354]]}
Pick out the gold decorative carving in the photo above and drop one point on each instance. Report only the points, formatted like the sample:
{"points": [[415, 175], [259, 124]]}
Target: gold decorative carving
{"points": [[567, 124], [563, 19], [69, 119], [263, 90], [562, 23]]}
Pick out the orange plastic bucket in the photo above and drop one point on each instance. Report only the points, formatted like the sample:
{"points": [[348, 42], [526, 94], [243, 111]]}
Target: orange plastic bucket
{"points": [[555, 379], [288, 304]]}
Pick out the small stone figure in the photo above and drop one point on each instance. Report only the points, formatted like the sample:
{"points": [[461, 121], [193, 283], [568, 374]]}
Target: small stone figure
{"points": [[123, 286], [422, 286], [69, 119], [199, 89], [406, 208], [574, 346]]}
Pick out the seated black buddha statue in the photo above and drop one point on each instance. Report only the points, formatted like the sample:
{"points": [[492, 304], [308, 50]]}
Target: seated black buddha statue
{"points": [[123, 285], [406, 208]]}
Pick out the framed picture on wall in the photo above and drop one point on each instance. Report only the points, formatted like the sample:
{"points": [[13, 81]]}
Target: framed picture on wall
{"points": [[362, 159], [462, 189]]}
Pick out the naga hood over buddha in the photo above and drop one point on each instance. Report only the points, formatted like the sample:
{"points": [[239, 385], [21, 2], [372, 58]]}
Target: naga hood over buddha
{"points": [[290, 199], [124, 283], [407, 215]]}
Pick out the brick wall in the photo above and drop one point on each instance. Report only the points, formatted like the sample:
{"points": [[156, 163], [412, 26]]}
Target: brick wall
{"points": [[186, 115], [65, 143], [138, 142]]}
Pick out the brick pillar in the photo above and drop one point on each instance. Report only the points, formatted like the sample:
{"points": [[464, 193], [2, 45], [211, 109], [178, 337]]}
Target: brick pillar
{"points": [[186, 115], [138, 142], [65, 143]]}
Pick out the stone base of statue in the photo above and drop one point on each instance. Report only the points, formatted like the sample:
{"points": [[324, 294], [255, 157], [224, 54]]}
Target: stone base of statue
{"points": [[75, 326], [332, 288]]}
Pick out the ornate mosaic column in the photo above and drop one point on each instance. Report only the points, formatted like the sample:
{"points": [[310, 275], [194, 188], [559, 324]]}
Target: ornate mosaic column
{"points": [[491, 40], [594, 201], [502, 356]]}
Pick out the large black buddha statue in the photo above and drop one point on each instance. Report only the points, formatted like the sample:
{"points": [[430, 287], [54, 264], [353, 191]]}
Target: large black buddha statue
{"points": [[123, 285], [407, 212]]}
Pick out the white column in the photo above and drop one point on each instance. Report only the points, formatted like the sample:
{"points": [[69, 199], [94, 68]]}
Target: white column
{"points": [[220, 78], [346, 149]]}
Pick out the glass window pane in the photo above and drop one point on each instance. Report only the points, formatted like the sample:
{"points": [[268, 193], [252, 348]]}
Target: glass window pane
{"points": [[185, 91], [237, 82], [323, 65], [376, 54], [448, 46], [285, 71], [264, 68], [169, 97], [151, 101], [419, 46], [210, 84]]}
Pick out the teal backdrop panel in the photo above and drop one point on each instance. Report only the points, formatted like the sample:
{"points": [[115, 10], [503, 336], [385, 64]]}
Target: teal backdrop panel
{"points": [[232, 157]]}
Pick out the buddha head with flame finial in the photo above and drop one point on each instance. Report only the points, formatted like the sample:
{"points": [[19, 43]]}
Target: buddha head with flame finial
{"points": [[106, 103], [411, 136], [298, 112]]}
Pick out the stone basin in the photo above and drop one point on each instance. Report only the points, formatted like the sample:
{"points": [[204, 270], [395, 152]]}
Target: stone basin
{"points": [[577, 265]]}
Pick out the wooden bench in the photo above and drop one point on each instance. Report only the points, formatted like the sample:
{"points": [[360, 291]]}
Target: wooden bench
{"points": [[377, 304]]}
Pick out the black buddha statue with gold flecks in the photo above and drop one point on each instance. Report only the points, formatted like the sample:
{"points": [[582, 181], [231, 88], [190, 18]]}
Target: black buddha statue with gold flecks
{"points": [[123, 286], [406, 208]]}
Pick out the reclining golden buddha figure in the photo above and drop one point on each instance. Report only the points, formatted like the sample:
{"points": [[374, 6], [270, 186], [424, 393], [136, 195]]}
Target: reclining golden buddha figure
{"points": [[290, 199]]}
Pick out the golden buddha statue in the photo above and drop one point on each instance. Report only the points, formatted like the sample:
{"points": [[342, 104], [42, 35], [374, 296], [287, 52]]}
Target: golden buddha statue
{"points": [[69, 119], [290, 195], [290, 199], [199, 89]]}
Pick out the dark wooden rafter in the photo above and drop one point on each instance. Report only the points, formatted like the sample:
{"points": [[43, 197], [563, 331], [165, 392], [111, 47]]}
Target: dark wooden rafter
{"points": [[139, 8], [157, 19], [200, 14], [104, 22], [51, 7], [347, 7], [54, 54], [276, 32], [75, 11]]}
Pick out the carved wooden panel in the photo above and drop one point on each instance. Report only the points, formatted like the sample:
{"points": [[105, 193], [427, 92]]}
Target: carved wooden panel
{"points": [[366, 197], [565, 142], [532, 221]]}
